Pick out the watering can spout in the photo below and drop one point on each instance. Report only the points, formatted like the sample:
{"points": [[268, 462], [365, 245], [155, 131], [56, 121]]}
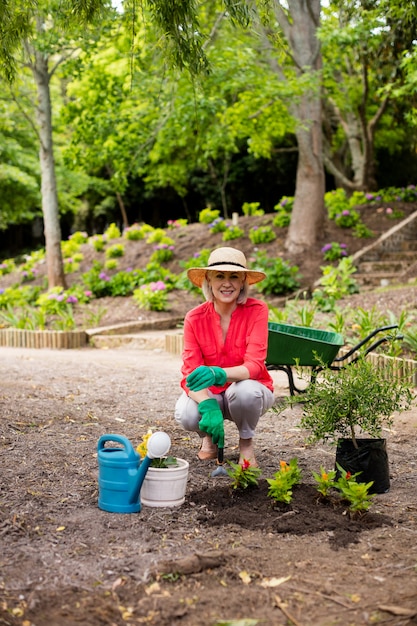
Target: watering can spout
{"points": [[158, 445]]}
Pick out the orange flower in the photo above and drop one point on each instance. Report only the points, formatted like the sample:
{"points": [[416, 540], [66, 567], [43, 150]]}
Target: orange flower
{"points": [[284, 466]]}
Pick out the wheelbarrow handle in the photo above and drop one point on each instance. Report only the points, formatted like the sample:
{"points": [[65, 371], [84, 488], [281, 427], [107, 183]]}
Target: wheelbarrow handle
{"points": [[364, 341]]}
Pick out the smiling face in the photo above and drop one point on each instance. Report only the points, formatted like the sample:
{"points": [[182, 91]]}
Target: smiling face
{"points": [[226, 286]]}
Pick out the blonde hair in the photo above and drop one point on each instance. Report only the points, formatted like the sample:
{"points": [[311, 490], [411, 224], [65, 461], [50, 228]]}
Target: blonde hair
{"points": [[208, 292]]}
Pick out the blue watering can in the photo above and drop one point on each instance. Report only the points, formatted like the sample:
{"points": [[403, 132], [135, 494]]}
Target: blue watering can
{"points": [[121, 472]]}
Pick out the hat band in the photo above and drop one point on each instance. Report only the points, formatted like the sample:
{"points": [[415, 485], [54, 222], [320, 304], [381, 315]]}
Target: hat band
{"points": [[228, 263]]}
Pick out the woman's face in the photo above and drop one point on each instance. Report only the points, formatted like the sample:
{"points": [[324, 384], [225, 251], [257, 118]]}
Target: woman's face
{"points": [[225, 286]]}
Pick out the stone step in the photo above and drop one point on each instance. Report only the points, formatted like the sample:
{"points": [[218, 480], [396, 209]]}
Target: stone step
{"points": [[145, 340], [376, 279], [382, 267]]}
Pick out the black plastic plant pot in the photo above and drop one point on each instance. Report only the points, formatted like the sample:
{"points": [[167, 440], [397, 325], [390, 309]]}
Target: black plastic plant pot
{"points": [[370, 458]]}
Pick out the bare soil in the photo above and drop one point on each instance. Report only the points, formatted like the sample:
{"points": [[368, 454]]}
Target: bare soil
{"points": [[221, 556]]}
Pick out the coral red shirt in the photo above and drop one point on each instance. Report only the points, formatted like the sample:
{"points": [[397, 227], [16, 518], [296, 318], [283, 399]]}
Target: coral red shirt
{"points": [[246, 341]]}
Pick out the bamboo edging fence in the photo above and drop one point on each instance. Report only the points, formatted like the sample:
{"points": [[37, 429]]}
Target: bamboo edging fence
{"points": [[398, 367], [56, 339]]}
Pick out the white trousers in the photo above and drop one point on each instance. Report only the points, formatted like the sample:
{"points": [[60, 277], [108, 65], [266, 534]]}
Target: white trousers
{"points": [[243, 403]]}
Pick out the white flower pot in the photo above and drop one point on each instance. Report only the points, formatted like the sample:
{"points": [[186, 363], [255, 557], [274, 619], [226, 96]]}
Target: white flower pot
{"points": [[165, 487]]}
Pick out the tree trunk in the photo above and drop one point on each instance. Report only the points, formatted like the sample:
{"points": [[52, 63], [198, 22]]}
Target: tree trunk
{"points": [[52, 228], [308, 211]]}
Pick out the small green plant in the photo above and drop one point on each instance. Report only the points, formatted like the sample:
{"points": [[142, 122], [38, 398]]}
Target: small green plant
{"points": [[356, 493], [161, 462], [65, 320], [69, 248], [7, 266], [208, 215], [335, 283], [284, 210], [115, 251], [362, 232], [79, 237], [98, 242], [178, 223], [133, 232], [158, 235], [352, 491], [152, 297], [280, 278], [112, 232], [325, 481], [162, 253], [232, 232], [218, 225], [110, 264], [334, 251], [261, 234], [252, 208], [280, 486], [243, 475], [97, 281]]}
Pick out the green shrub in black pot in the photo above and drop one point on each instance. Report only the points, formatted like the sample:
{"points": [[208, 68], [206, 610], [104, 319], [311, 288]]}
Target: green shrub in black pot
{"points": [[350, 407]]}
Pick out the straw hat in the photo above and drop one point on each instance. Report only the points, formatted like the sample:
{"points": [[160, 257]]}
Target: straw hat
{"points": [[225, 260]]}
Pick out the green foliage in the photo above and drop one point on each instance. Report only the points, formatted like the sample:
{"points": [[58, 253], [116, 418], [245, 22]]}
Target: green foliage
{"points": [[69, 247], [282, 482], [284, 210], [232, 232], [134, 232], [261, 234], [162, 253], [252, 208], [243, 476], [112, 232], [152, 297], [200, 259], [361, 231], [7, 266], [110, 264], [335, 283], [18, 296], [325, 481], [356, 493], [115, 251], [98, 242], [334, 251], [79, 237], [208, 215], [158, 235], [358, 396], [280, 278], [218, 225]]}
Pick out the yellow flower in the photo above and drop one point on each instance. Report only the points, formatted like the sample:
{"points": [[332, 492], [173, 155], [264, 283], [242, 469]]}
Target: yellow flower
{"points": [[142, 448]]}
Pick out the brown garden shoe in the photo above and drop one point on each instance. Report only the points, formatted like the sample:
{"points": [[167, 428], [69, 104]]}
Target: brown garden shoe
{"points": [[208, 450]]}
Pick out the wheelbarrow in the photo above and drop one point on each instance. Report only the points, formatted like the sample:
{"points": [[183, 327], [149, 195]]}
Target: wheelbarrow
{"points": [[299, 346]]}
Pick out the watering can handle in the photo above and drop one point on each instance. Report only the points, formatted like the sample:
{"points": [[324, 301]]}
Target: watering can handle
{"points": [[119, 439]]}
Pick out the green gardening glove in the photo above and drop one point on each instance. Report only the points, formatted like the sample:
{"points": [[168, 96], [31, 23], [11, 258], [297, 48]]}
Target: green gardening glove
{"points": [[204, 376], [212, 421]]}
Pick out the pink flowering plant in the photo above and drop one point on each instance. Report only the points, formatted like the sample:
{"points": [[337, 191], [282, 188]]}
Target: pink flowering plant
{"points": [[243, 475], [152, 297]]}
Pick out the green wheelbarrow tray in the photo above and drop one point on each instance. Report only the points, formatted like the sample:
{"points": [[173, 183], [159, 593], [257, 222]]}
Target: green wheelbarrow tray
{"points": [[292, 346], [298, 345]]}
